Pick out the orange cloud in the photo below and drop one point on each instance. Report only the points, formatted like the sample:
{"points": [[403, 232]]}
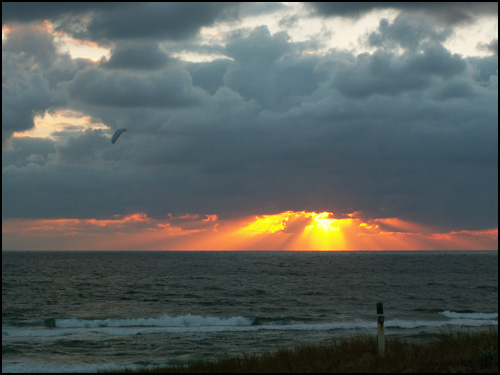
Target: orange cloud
{"points": [[288, 230], [322, 231], [132, 232]]}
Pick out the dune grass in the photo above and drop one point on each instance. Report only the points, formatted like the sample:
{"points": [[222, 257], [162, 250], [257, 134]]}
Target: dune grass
{"points": [[448, 352]]}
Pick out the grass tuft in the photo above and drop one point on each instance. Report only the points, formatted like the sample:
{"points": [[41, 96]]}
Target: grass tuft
{"points": [[448, 352]]}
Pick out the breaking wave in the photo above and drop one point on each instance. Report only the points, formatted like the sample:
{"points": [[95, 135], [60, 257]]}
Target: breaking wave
{"points": [[51, 329], [469, 315], [163, 321]]}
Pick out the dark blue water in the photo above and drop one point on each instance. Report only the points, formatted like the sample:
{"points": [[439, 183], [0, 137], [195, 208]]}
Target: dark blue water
{"points": [[85, 311]]}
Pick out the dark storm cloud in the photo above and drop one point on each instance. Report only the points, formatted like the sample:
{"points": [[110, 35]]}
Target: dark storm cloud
{"points": [[268, 69], [412, 134], [209, 76], [25, 96], [386, 73], [28, 150], [492, 46], [25, 92], [106, 22], [157, 20], [30, 42], [31, 70], [142, 55], [85, 148], [33, 11], [407, 32], [450, 13], [485, 69], [167, 88]]}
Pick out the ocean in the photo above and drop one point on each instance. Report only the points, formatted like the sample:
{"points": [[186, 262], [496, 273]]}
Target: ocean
{"points": [[90, 311]]}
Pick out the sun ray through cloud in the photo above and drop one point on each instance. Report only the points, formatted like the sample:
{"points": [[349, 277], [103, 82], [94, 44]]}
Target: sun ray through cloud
{"points": [[289, 230]]}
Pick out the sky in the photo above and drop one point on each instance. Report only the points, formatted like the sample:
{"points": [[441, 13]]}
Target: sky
{"points": [[250, 126]]}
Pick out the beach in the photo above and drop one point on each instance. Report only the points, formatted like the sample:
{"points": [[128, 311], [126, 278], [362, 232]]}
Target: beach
{"points": [[464, 352]]}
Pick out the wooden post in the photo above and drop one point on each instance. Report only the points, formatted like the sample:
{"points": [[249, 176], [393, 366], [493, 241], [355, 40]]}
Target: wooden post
{"points": [[380, 324]]}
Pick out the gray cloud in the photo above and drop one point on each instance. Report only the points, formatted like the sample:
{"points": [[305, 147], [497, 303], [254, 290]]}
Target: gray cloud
{"points": [[386, 73], [269, 69], [166, 88], [25, 90], [141, 56], [209, 76], [407, 32], [32, 69], [157, 20], [108, 22], [268, 129], [25, 96], [28, 150], [27, 12], [491, 46], [442, 12], [31, 44]]}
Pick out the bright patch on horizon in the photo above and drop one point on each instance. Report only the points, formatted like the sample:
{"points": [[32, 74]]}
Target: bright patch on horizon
{"points": [[323, 222], [309, 230], [288, 230]]}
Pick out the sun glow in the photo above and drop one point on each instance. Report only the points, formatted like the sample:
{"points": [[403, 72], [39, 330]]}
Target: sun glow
{"points": [[323, 222], [300, 230], [267, 224], [303, 230], [325, 233], [289, 230], [60, 123]]}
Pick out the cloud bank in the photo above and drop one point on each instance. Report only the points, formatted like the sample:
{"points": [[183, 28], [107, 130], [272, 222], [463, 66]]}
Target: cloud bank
{"points": [[407, 130]]}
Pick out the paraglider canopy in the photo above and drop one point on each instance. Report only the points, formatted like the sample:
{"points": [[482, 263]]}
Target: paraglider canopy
{"points": [[117, 134]]}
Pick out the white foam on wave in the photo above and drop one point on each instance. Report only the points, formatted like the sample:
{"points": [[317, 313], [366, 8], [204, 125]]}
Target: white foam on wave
{"points": [[69, 329], [474, 315], [163, 321], [412, 324], [38, 367]]}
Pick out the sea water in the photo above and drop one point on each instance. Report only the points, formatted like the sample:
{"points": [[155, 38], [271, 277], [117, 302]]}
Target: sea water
{"points": [[89, 311]]}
